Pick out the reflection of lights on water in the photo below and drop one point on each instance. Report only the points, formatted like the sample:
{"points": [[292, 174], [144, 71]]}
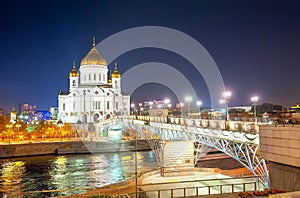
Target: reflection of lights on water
{"points": [[12, 172], [61, 160], [71, 171], [150, 155], [116, 171]]}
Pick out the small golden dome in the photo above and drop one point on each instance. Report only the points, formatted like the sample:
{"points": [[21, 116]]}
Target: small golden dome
{"points": [[109, 80], [93, 57], [74, 72], [116, 73]]}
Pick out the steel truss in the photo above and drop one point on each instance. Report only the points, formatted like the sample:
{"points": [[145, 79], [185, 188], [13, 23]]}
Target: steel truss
{"points": [[241, 146]]}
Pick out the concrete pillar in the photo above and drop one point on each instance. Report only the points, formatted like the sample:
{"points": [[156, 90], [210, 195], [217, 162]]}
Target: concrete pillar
{"points": [[178, 159]]}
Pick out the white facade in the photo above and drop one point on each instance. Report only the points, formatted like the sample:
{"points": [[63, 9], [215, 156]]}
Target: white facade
{"points": [[92, 94]]}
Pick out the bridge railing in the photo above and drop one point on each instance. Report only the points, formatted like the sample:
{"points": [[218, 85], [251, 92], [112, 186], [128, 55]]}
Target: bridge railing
{"points": [[160, 190], [240, 126]]}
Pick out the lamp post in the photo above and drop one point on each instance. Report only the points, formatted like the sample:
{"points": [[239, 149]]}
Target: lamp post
{"points": [[60, 124], [167, 101], [140, 105], [227, 97], [199, 103], [9, 127], [135, 166], [132, 107], [18, 126], [188, 100], [84, 118], [254, 100], [181, 107]]}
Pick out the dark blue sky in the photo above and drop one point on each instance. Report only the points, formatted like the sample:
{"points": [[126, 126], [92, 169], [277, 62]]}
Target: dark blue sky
{"points": [[256, 45]]}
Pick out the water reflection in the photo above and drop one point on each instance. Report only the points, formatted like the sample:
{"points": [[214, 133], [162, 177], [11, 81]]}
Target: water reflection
{"points": [[12, 173], [67, 172]]}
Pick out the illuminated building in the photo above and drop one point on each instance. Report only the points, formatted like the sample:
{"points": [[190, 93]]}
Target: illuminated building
{"points": [[13, 116], [42, 115], [93, 95], [27, 109], [26, 112]]}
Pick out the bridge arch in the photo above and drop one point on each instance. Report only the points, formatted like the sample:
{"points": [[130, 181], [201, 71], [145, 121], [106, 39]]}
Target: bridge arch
{"points": [[243, 147]]}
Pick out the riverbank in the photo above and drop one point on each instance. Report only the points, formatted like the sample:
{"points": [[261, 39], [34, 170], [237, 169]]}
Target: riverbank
{"points": [[70, 147]]}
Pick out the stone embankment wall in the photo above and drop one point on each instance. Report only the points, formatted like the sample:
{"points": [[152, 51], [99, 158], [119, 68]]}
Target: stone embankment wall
{"points": [[70, 147], [280, 146]]}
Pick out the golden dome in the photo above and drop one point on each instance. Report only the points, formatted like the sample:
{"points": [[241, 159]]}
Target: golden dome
{"points": [[116, 73], [93, 57], [74, 72], [109, 80]]}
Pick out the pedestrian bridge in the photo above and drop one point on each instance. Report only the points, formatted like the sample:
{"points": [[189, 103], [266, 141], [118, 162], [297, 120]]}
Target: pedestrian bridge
{"points": [[171, 139]]}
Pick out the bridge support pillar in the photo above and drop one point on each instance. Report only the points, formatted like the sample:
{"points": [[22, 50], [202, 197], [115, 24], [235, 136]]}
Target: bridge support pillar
{"points": [[177, 159]]}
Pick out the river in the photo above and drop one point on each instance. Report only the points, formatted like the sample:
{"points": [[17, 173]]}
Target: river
{"points": [[41, 173]]}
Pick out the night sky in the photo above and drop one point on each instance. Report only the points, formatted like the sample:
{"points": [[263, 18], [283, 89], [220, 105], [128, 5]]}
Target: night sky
{"points": [[255, 44]]}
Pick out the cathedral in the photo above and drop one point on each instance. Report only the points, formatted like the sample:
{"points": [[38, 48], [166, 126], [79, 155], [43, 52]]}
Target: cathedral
{"points": [[93, 94]]}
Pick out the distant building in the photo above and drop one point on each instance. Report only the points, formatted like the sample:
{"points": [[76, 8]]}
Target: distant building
{"points": [[54, 113], [42, 115], [27, 109], [26, 112], [93, 95], [3, 112], [13, 116], [295, 108], [269, 108]]}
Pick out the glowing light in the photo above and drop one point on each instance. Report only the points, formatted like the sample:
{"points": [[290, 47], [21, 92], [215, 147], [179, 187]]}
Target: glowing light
{"points": [[227, 94], [199, 103], [254, 99], [222, 101], [167, 101], [188, 99]]}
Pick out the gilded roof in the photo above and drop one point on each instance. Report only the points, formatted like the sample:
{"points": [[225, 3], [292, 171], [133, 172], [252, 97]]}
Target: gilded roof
{"points": [[74, 72], [93, 57], [116, 73]]}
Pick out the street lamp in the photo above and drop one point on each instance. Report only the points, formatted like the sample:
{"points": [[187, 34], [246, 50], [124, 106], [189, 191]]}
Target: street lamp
{"points": [[199, 103], [254, 100], [18, 126], [9, 127], [227, 97], [188, 100], [132, 106], [85, 117], [181, 107], [60, 124], [140, 105], [167, 101]]}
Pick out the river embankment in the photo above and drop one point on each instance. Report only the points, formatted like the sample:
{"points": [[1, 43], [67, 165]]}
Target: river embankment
{"points": [[70, 147]]}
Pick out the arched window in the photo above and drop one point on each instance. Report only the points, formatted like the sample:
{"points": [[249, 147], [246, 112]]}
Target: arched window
{"points": [[94, 76], [85, 118], [73, 83], [96, 116], [99, 77]]}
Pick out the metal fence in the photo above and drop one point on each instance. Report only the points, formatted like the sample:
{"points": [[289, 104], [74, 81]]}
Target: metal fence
{"points": [[159, 190]]}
